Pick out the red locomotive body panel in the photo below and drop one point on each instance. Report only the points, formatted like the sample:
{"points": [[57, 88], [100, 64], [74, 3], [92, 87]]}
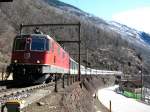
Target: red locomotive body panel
{"points": [[32, 57], [54, 57], [61, 58]]}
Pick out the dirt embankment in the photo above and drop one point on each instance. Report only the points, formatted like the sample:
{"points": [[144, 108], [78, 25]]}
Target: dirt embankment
{"points": [[75, 98]]}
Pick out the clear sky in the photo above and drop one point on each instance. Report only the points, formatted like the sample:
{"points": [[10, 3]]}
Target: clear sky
{"points": [[134, 13]]}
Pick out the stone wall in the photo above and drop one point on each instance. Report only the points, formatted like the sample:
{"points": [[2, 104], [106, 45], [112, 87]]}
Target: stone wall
{"points": [[79, 96]]}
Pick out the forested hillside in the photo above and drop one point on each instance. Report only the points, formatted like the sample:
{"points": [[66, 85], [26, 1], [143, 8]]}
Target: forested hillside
{"points": [[106, 48]]}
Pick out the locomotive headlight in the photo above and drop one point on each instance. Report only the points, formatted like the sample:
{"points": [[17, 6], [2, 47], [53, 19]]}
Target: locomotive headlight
{"points": [[38, 61], [15, 61]]}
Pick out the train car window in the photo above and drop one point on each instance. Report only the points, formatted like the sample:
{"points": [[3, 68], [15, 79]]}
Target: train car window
{"points": [[58, 51], [63, 55], [70, 64], [38, 44], [20, 44], [52, 46], [48, 44]]}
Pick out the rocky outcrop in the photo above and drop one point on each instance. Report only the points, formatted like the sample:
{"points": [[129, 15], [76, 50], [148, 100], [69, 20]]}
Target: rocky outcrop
{"points": [[80, 97]]}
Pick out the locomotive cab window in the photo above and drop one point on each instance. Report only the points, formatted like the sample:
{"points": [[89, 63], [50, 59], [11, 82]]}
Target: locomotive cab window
{"points": [[20, 44], [38, 44]]}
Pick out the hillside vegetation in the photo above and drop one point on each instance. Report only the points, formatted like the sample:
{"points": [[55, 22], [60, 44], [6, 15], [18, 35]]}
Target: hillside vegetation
{"points": [[106, 48]]}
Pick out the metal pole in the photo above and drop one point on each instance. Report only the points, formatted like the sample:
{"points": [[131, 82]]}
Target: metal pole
{"points": [[3, 74], [68, 79], [21, 28], [77, 78], [86, 60], [73, 78], [110, 105], [56, 83], [141, 82], [50, 24], [63, 81], [79, 52]]}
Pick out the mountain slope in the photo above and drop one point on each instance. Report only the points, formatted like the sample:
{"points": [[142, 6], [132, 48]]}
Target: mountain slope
{"points": [[107, 49], [145, 37], [142, 37]]}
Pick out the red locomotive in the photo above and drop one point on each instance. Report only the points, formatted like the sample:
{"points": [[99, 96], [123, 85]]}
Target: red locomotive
{"points": [[36, 57]]}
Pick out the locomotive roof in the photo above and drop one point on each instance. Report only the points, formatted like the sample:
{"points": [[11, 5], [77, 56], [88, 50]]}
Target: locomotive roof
{"points": [[31, 35], [37, 35]]}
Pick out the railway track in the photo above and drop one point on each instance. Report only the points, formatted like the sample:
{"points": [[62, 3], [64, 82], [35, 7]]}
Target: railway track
{"points": [[28, 94], [20, 93], [2, 88], [8, 86]]}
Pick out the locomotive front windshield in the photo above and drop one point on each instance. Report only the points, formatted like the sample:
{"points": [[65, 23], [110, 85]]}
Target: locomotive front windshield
{"points": [[36, 44]]}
